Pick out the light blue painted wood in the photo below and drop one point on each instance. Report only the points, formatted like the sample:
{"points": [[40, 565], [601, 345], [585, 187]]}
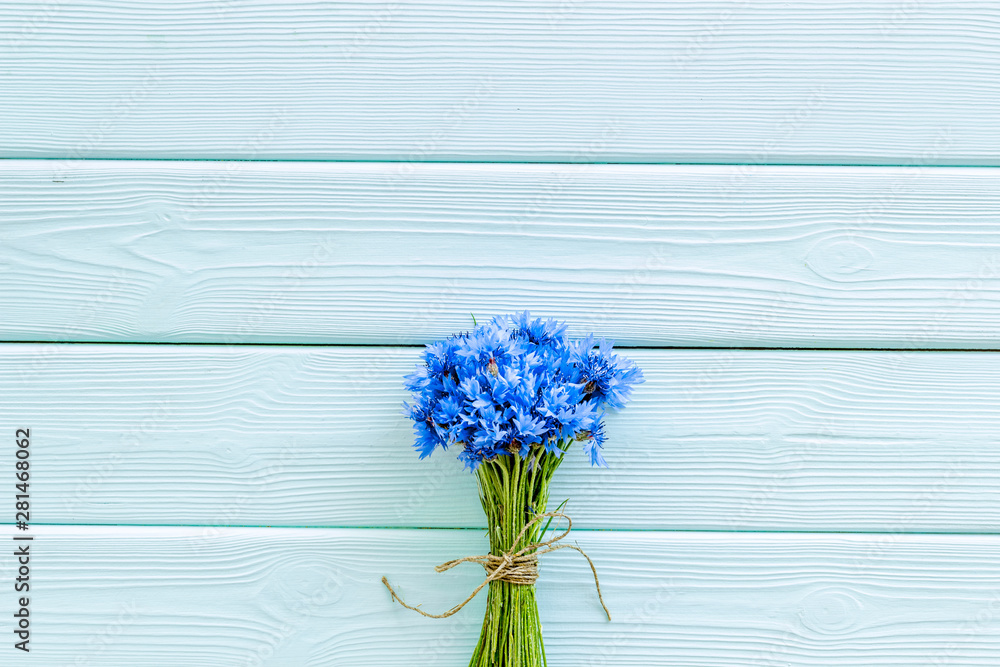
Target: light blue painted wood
{"points": [[136, 597], [820, 81], [906, 257], [352, 253], [723, 440]]}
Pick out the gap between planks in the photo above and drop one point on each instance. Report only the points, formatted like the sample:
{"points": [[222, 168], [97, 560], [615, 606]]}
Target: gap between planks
{"points": [[693, 531], [417, 346]]}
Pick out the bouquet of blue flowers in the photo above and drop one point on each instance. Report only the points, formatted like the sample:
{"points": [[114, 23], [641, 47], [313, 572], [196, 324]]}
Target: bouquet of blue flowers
{"points": [[512, 397]]}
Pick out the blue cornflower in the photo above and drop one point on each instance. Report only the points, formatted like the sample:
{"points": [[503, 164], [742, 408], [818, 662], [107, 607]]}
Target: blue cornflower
{"points": [[536, 331], [423, 426], [515, 384], [606, 377], [528, 427], [593, 441]]}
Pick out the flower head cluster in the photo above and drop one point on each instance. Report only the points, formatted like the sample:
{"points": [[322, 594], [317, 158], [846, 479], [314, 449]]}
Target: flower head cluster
{"points": [[513, 385]]}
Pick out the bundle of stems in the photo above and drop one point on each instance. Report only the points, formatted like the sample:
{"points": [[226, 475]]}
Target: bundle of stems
{"points": [[513, 491]]}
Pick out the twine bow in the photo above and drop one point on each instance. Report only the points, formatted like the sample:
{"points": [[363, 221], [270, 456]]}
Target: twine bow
{"points": [[516, 567]]}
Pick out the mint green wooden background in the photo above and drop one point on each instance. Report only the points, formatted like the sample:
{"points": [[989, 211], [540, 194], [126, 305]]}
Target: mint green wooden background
{"points": [[227, 226]]}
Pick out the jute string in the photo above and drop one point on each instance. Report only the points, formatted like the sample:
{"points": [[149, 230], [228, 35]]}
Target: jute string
{"points": [[516, 567]]}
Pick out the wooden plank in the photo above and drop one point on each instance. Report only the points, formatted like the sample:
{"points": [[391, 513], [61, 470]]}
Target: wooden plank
{"points": [[175, 596], [733, 81], [359, 253], [299, 436]]}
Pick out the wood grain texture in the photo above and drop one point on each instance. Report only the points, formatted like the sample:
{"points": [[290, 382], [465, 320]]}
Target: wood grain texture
{"points": [[128, 596], [721, 440], [364, 253], [821, 81]]}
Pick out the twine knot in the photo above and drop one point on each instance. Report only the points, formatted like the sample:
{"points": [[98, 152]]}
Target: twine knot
{"points": [[522, 570], [516, 567]]}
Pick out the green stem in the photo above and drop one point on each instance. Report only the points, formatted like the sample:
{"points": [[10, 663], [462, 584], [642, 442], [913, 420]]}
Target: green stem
{"points": [[513, 491]]}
